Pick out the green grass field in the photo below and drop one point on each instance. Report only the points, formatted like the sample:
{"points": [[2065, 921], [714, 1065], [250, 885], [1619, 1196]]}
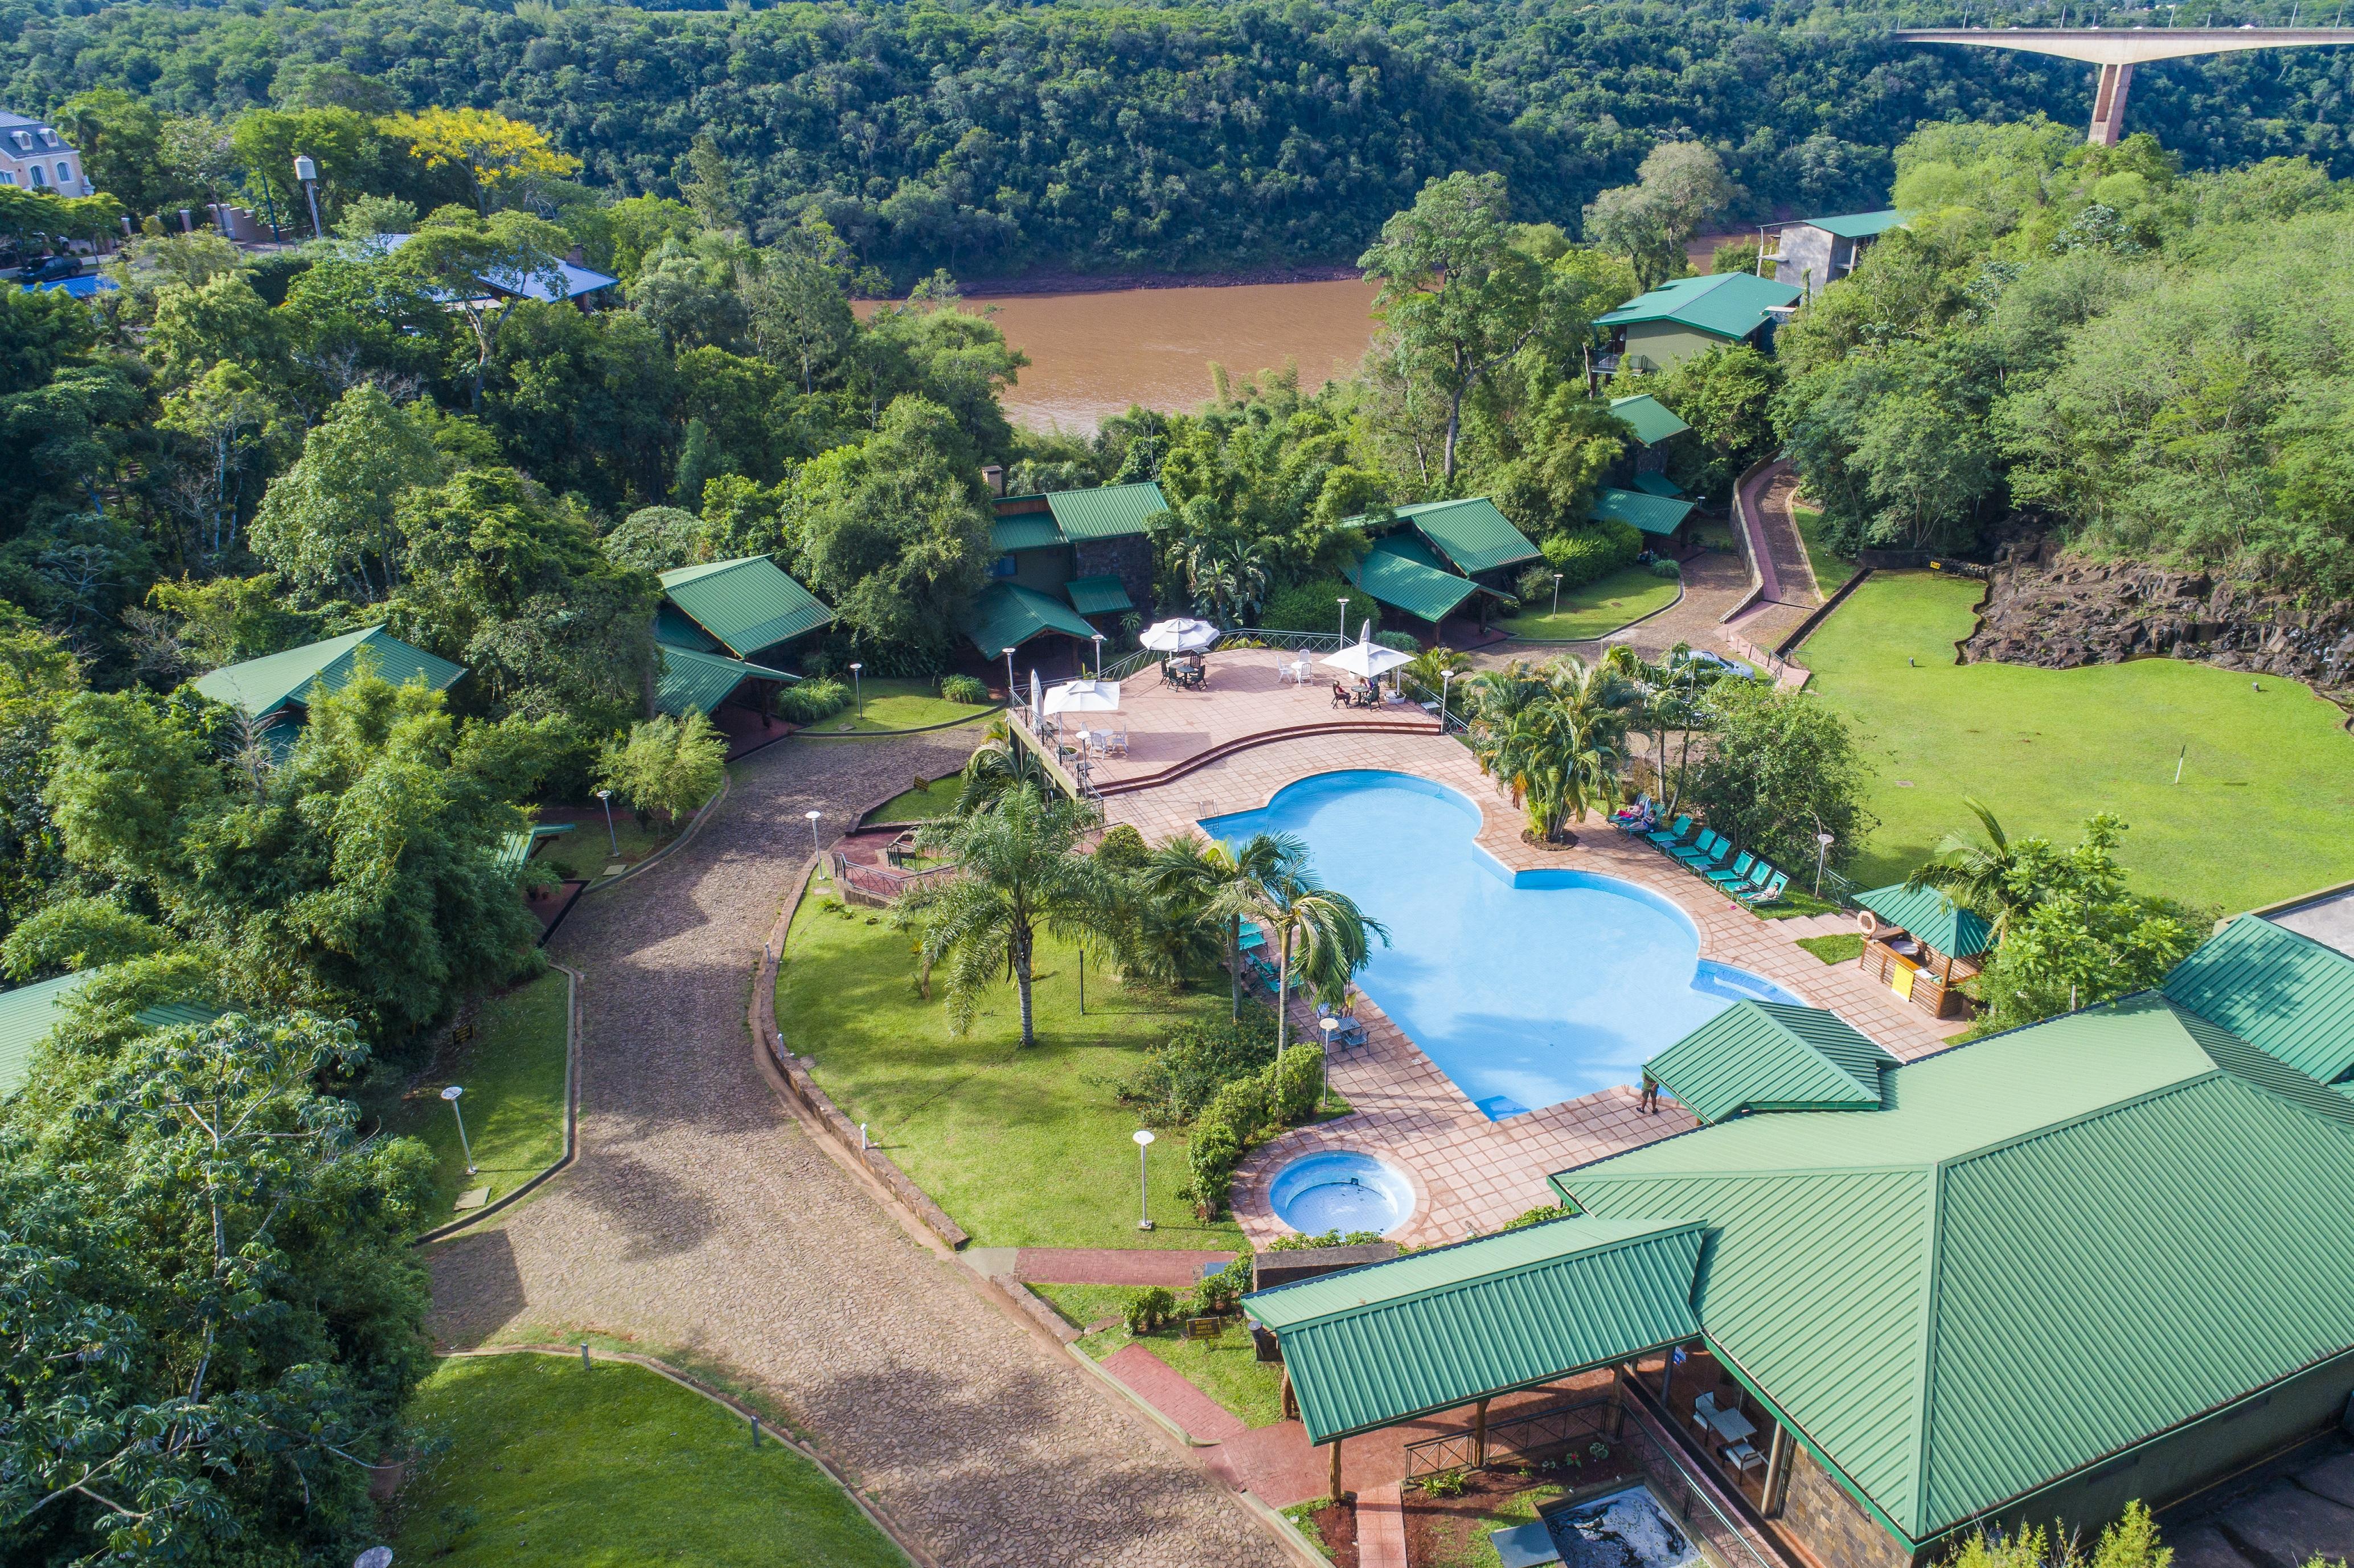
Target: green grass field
{"points": [[1596, 610], [1025, 1148], [551, 1466], [513, 1073], [1227, 1369], [1831, 570], [937, 799], [2268, 777], [894, 703], [1839, 950]]}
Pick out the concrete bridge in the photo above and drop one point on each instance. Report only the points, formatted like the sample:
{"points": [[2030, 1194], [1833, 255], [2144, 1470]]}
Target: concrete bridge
{"points": [[2116, 50]]}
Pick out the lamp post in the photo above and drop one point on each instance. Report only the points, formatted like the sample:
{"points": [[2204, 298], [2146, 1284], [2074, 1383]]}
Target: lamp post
{"points": [[306, 174], [1098, 655], [858, 687], [812, 816], [1556, 593], [1344, 619], [1009, 679], [1822, 854], [606, 797], [1329, 1026], [452, 1094], [1445, 679], [1143, 1137]]}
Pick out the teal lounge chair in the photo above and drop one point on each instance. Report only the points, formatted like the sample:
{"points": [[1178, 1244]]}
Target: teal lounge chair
{"points": [[1739, 875], [1253, 938], [1768, 891], [1708, 850], [1760, 873], [1715, 859], [1668, 837]]}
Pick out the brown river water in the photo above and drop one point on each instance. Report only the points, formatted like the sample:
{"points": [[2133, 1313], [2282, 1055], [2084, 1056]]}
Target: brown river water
{"points": [[1093, 354]]}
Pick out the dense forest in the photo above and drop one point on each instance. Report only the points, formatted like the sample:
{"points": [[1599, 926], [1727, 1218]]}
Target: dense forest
{"points": [[993, 139]]}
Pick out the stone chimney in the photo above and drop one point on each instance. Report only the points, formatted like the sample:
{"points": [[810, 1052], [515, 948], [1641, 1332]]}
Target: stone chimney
{"points": [[993, 476]]}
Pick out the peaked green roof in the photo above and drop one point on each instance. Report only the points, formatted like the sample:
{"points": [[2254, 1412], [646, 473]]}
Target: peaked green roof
{"points": [[1007, 615], [2051, 1246], [1653, 421], [747, 603], [1928, 913], [1433, 1330], [1108, 512], [1651, 514], [1771, 1056], [1730, 305], [261, 686], [1860, 225], [1393, 575], [1097, 595], [2281, 991], [1025, 530], [515, 848], [1471, 534], [674, 630], [28, 1013], [692, 682], [1661, 485]]}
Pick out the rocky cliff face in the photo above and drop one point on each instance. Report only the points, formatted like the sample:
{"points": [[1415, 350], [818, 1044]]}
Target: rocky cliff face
{"points": [[2045, 607]]}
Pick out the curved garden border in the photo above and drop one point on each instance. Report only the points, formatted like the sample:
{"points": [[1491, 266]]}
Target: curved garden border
{"points": [[571, 1117], [811, 733], [1604, 636]]}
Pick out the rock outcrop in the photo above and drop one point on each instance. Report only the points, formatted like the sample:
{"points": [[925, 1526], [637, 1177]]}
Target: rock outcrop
{"points": [[2046, 607]]}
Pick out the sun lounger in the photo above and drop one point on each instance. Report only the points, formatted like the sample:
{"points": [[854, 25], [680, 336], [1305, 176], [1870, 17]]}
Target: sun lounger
{"points": [[1253, 938], [1705, 850], [1768, 891], [1737, 874], [1668, 836]]}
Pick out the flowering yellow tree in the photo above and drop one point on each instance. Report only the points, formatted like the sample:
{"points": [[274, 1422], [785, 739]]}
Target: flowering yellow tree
{"points": [[494, 151]]}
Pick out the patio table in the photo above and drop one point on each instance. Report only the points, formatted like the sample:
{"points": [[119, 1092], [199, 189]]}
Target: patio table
{"points": [[1732, 1426]]}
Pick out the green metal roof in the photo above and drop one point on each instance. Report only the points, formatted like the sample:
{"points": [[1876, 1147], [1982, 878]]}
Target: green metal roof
{"points": [[1109, 511], [1471, 534], [1771, 1056], [28, 1013], [1006, 615], [747, 603], [1730, 305], [1025, 530], [1651, 514], [1395, 577], [2282, 993], [1098, 596], [1860, 225], [2052, 1245], [674, 630], [263, 685], [515, 848], [1928, 913], [1433, 1330], [697, 682], [1653, 421], [1661, 485]]}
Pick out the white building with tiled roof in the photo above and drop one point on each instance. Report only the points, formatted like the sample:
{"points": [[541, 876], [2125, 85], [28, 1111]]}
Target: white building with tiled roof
{"points": [[34, 156]]}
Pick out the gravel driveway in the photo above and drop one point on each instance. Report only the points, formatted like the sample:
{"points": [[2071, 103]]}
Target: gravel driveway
{"points": [[700, 1216]]}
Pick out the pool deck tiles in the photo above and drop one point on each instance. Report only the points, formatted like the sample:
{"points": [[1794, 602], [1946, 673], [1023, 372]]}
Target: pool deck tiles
{"points": [[1473, 1175]]}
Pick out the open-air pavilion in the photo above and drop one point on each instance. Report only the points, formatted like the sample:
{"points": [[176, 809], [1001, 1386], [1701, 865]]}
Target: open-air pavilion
{"points": [[1921, 944]]}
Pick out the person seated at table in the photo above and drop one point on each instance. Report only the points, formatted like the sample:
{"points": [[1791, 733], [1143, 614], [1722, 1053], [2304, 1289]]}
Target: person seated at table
{"points": [[1340, 696]]}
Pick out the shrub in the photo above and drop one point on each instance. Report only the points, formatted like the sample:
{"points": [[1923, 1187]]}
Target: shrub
{"points": [[1664, 568], [1299, 1082], [1150, 1309], [1314, 607], [1223, 1290], [1179, 1077], [666, 765], [1330, 1238], [1535, 585], [1446, 1483], [1399, 641], [964, 689], [1228, 1125], [1589, 555], [811, 701], [1539, 1216], [1123, 848]]}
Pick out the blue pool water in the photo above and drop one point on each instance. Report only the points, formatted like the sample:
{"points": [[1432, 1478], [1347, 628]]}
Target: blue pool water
{"points": [[1526, 989], [1339, 1191]]}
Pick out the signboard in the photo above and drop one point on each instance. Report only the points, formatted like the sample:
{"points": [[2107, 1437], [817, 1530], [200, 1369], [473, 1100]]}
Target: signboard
{"points": [[1205, 1328], [1679, 1355]]}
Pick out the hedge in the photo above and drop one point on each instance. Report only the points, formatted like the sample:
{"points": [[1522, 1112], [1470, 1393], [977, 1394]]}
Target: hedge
{"points": [[1249, 1111], [1589, 555]]}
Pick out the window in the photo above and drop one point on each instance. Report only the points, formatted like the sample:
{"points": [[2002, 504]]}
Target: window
{"points": [[1004, 566], [38, 182], [64, 175], [6, 178]]}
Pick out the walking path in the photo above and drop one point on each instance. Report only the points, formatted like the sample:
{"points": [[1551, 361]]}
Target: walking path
{"points": [[700, 1221], [1114, 1266]]}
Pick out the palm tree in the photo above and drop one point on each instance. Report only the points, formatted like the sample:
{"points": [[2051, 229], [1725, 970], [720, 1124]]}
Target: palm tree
{"points": [[1980, 874], [1017, 871], [999, 764], [1320, 936], [1213, 883], [1551, 737]]}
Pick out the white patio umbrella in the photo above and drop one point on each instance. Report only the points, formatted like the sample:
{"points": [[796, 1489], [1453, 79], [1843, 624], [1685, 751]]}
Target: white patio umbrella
{"points": [[1365, 657], [1083, 697], [1183, 635]]}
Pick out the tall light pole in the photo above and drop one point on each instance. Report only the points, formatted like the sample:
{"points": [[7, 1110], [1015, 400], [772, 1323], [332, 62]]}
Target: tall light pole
{"points": [[606, 797], [1445, 679], [452, 1094], [812, 817], [1344, 619], [1822, 854], [858, 686], [1143, 1186], [1329, 1026], [1098, 655], [306, 174], [1009, 684], [1556, 593]]}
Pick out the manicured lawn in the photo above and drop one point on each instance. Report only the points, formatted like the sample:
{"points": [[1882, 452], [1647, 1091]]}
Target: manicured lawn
{"points": [[2267, 779], [1831, 570], [1226, 1369], [1459, 1540], [894, 703], [513, 1073], [936, 800], [1023, 1146], [1844, 949], [551, 1466], [1596, 609]]}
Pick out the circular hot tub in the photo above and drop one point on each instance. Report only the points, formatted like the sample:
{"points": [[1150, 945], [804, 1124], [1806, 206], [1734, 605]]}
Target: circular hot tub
{"points": [[1340, 1192]]}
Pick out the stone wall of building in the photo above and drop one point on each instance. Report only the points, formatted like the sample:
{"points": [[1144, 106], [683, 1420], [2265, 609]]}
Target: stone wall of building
{"points": [[1817, 1512], [1130, 559]]}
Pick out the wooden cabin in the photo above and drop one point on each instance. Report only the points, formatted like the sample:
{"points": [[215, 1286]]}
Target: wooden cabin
{"points": [[1921, 944]]}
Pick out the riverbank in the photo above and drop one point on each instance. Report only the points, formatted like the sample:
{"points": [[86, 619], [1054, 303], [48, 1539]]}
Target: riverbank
{"points": [[1031, 284]]}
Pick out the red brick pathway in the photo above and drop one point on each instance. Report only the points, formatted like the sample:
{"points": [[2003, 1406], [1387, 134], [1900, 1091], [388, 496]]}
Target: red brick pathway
{"points": [[1165, 1389], [1113, 1265], [1381, 1527]]}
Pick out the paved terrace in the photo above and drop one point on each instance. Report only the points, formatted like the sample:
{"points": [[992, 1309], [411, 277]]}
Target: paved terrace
{"points": [[1471, 1173], [1247, 700]]}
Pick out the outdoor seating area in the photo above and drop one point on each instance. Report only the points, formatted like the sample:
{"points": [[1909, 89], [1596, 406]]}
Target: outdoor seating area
{"points": [[1740, 875]]}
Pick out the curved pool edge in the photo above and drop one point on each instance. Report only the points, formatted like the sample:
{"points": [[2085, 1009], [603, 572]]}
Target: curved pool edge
{"points": [[1254, 1180]]}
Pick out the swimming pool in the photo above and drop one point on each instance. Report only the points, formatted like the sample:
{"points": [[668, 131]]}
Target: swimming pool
{"points": [[1525, 989]]}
